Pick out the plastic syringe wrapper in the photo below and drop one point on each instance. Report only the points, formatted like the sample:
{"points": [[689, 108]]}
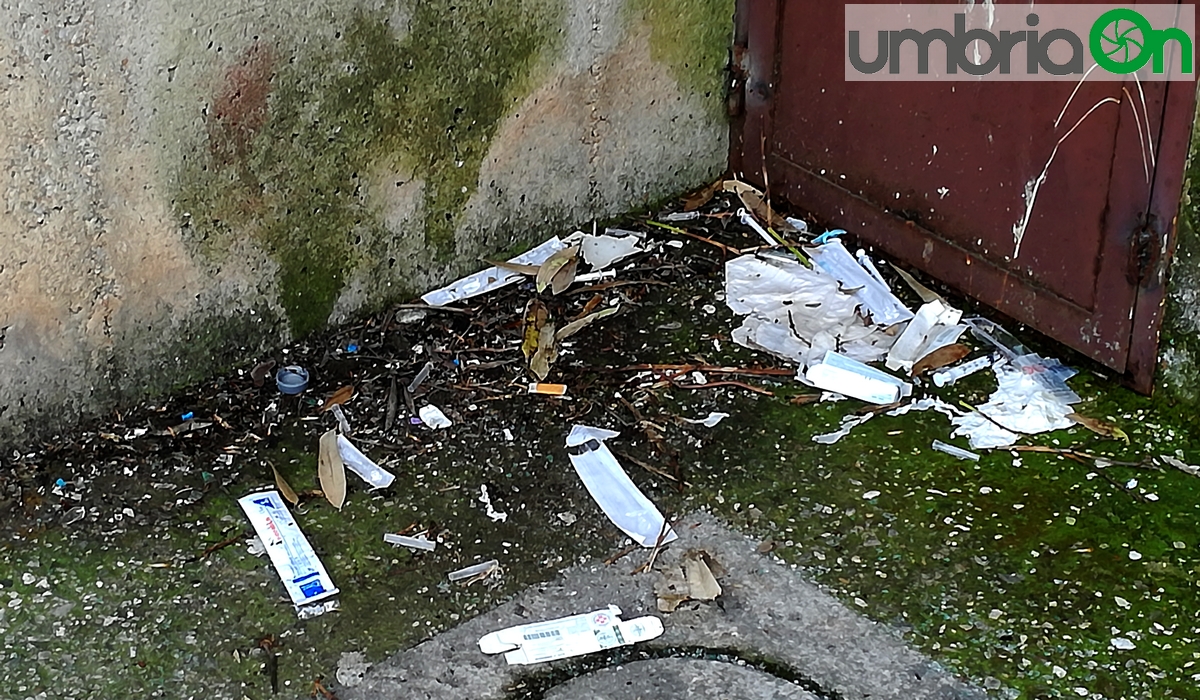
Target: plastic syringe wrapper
{"points": [[303, 574]]}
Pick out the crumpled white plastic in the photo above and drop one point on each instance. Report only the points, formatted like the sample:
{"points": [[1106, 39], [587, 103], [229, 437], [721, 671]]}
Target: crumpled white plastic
{"points": [[797, 313], [1020, 402]]}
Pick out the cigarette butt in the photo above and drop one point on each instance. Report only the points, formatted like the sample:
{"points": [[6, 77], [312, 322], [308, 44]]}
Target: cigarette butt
{"points": [[548, 389]]}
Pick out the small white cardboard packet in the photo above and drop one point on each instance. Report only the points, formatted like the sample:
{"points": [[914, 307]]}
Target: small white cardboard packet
{"points": [[569, 636], [303, 574]]}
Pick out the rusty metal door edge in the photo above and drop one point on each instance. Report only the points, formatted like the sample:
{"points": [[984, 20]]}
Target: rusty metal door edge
{"points": [[1179, 112]]}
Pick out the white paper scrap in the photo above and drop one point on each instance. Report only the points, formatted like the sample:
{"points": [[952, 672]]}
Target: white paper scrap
{"points": [[610, 486], [565, 637], [303, 574], [846, 376], [360, 464], [492, 278], [710, 421], [876, 297], [433, 417], [486, 500], [934, 326], [602, 251]]}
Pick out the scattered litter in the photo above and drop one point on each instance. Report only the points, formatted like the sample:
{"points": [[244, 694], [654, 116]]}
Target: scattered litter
{"points": [[360, 464], [1181, 465], [693, 579], [301, 571], [846, 376], [612, 489], [567, 519], [569, 636], [1020, 405], [748, 219], [800, 225], [492, 513], [548, 389], [949, 375], [291, 380], [413, 542], [871, 291], [343, 424], [74, 515], [331, 470], [1122, 644], [955, 451], [602, 251], [797, 313], [492, 278], [418, 380], [848, 423], [871, 495], [934, 326], [681, 216], [433, 417], [255, 547], [992, 333], [710, 421], [481, 569]]}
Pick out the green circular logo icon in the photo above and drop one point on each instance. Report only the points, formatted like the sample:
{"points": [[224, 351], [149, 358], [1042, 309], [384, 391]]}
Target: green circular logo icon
{"points": [[1119, 40]]}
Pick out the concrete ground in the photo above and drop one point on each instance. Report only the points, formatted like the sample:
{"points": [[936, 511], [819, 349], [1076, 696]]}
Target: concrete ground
{"points": [[770, 634]]}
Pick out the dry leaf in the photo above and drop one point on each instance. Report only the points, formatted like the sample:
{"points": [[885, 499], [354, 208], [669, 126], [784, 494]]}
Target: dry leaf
{"points": [[702, 196], [927, 295], [590, 306], [261, 371], [564, 277], [738, 187], [946, 355], [536, 315], [693, 580], [546, 353], [804, 399], [1100, 427], [339, 397], [284, 487], [578, 324], [514, 267], [553, 264], [331, 470]]}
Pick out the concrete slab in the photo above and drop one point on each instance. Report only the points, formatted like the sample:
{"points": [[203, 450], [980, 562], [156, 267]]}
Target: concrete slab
{"points": [[768, 615], [668, 679]]}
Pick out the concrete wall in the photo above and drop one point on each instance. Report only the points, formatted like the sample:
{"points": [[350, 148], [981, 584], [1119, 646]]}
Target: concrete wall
{"points": [[188, 183], [1179, 352]]}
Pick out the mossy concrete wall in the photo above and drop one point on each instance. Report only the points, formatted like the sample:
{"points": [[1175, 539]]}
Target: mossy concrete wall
{"points": [[188, 184], [1178, 376]]}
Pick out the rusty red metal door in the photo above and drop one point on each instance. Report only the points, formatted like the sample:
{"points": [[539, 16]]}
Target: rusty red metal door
{"points": [[935, 174]]}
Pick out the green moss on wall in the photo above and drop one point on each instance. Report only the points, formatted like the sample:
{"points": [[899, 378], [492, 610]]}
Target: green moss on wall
{"points": [[1179, 349], [295, 131], [692, 37]]}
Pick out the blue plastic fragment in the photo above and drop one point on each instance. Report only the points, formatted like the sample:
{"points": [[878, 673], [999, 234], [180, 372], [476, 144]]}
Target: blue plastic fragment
{"points": [[187, 416], [59, 483], [824, 237], [352, 347]]}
